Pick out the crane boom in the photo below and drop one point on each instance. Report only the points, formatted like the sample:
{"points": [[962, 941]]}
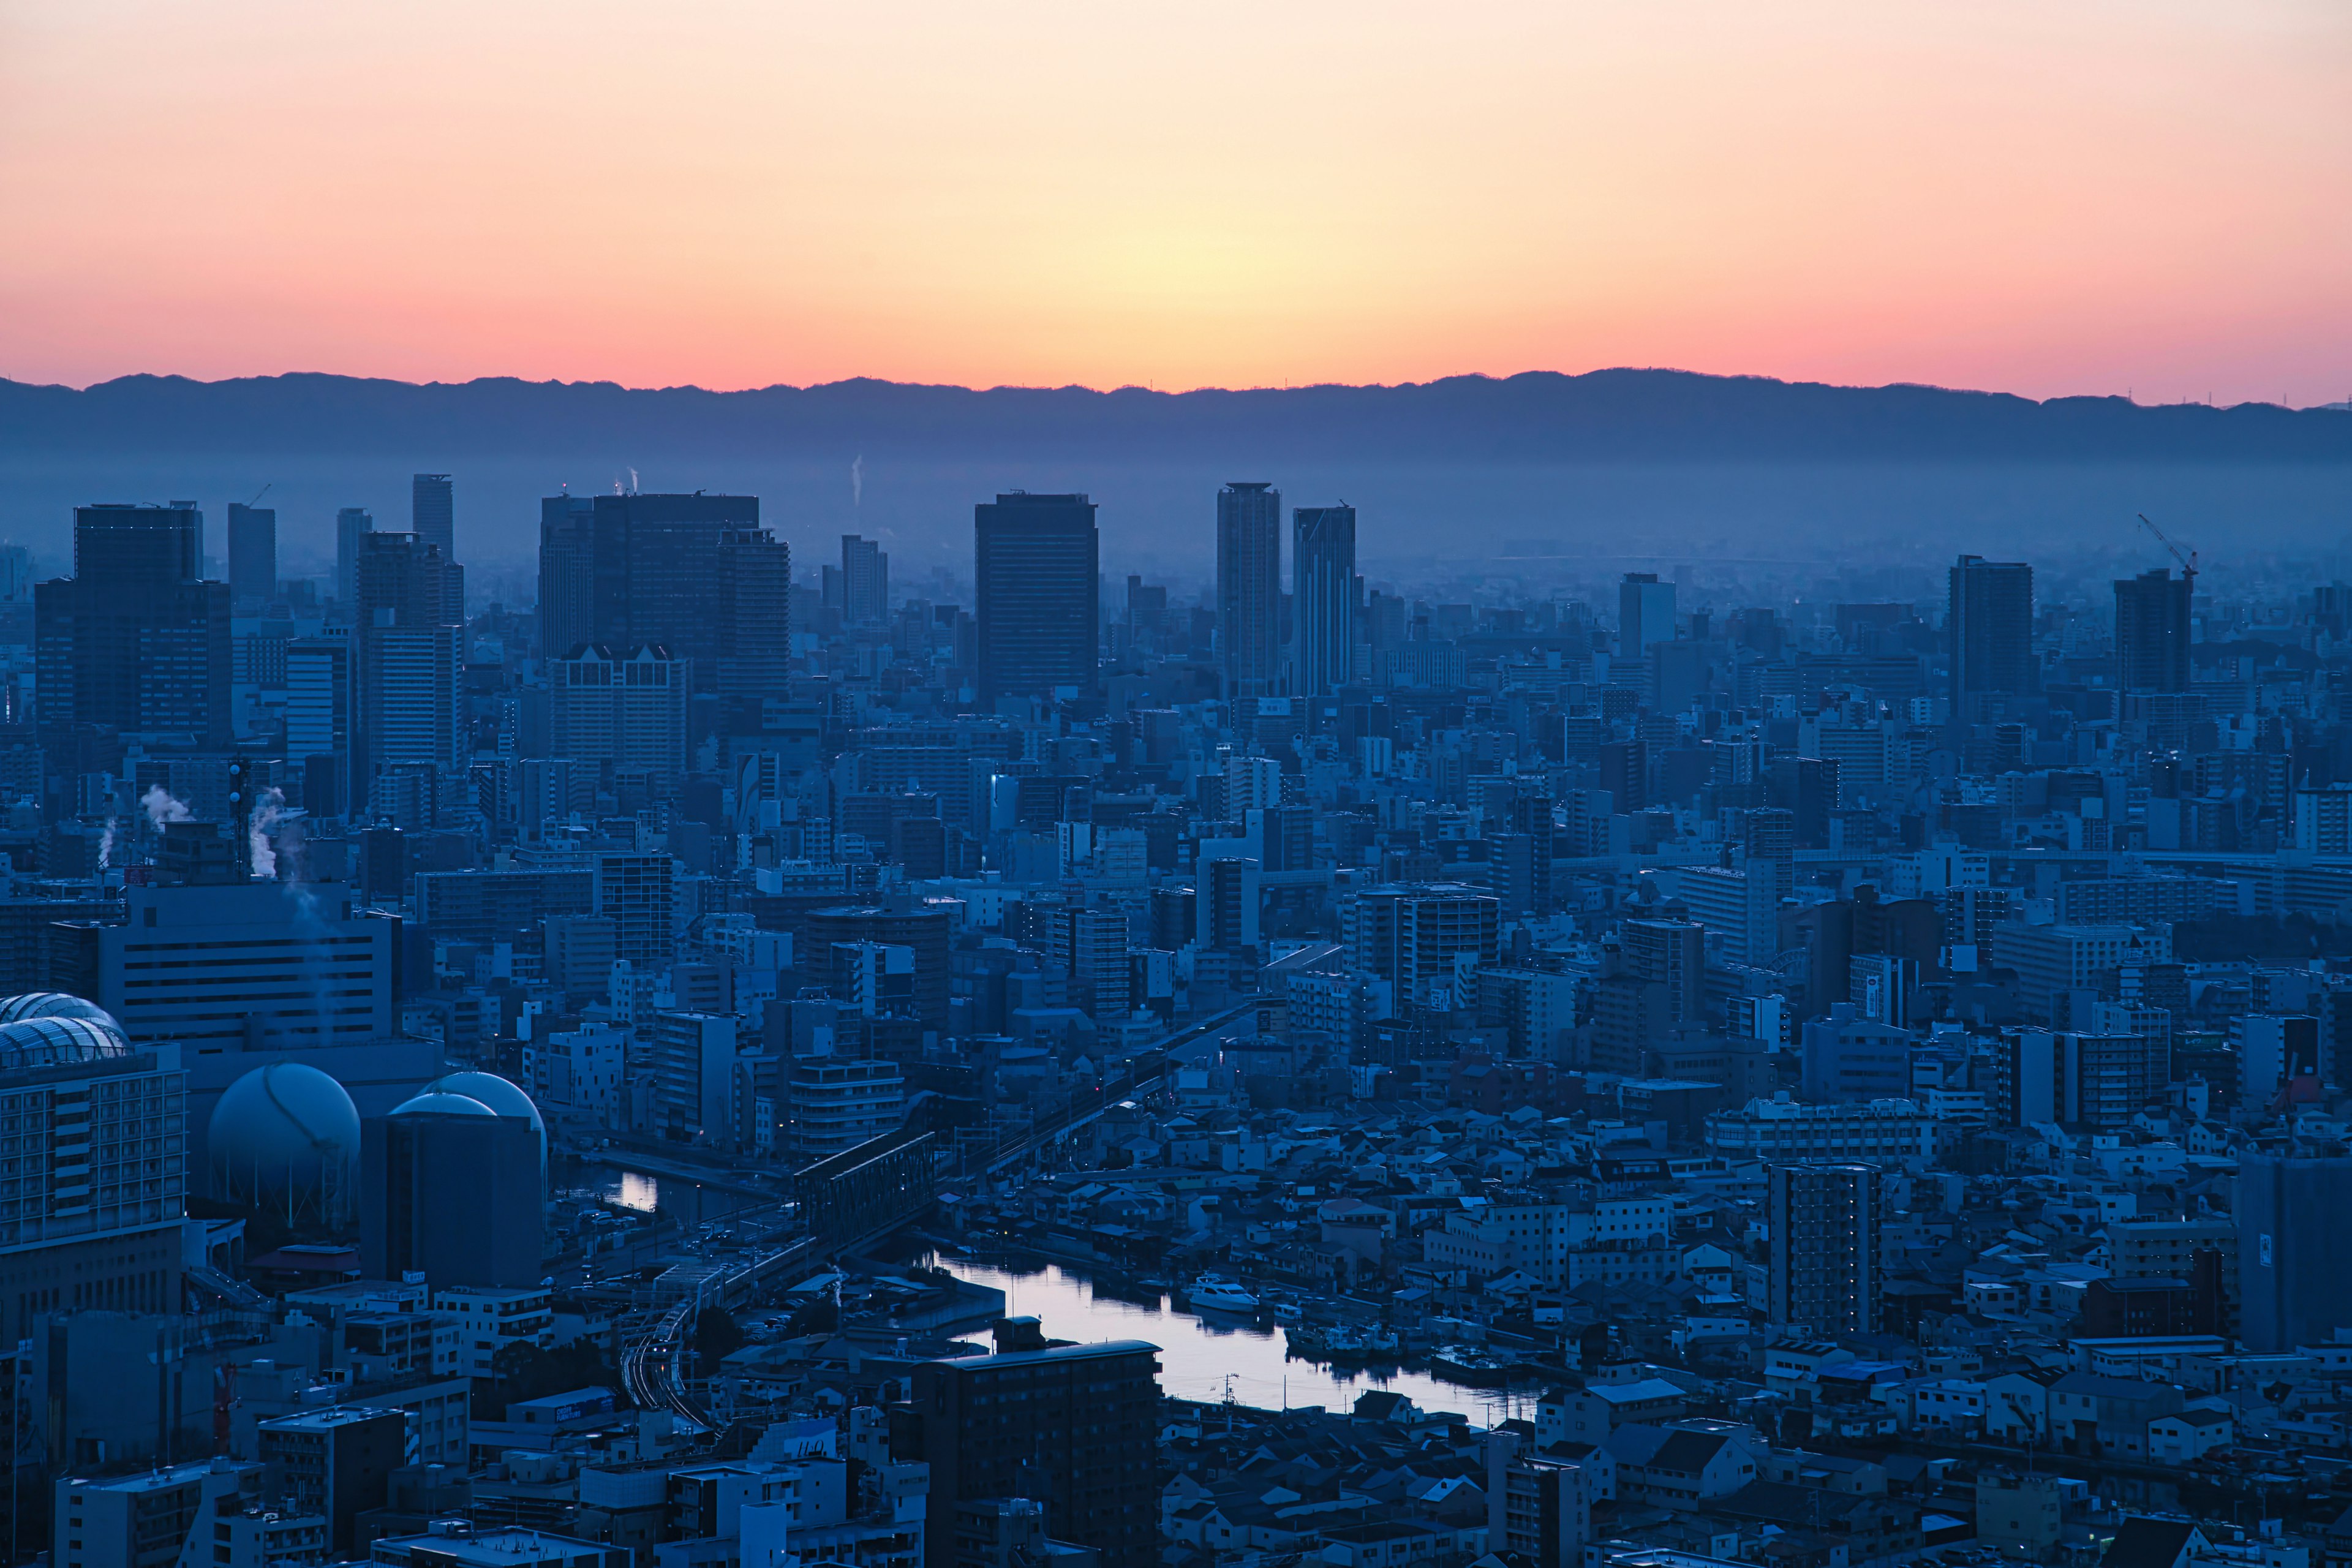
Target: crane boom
{"points": [[2188, 562]]}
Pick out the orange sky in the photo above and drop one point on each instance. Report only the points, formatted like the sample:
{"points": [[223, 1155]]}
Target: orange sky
{"points": [[2153, 196]]}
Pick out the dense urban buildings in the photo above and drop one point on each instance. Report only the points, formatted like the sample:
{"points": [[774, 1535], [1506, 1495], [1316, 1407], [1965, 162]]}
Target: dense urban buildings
{"points": [[1660, 1056]]}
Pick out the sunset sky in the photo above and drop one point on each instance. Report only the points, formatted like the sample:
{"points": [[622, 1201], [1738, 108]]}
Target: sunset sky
{"points": [[2038, 195]]}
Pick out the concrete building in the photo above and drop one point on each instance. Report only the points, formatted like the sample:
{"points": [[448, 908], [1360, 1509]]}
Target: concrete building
{"points": [[1826, 1271]]}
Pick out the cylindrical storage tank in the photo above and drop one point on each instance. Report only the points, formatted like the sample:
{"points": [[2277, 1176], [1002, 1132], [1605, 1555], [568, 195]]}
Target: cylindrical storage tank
{"points": [[286, 1137]]}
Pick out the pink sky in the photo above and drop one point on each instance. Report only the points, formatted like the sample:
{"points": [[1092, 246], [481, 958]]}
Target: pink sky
{"points": [[2098, 195]]}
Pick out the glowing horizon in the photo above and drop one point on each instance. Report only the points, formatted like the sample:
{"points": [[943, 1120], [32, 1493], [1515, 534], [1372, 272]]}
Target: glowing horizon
{"points": [[2117, 199]]}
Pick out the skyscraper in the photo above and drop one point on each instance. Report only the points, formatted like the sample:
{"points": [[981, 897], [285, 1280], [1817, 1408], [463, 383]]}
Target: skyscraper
{"points": [[252, 553], [1825, 1270], [1991, 625], [1322, 598], [351, 524], [2152, 631], [628, 570], [1037, 564], [135, 640], [433, 512], [2295, 1275], [865, 582], [406, 654], [755, 624], [1249, 589], [1646, 613], [567, 573]]}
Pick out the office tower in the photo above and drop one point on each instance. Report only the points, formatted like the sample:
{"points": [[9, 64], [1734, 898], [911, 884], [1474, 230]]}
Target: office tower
{"points": [[2152, 631], [1990, 626], [318, 719], [2295, 1275], [433, 512], [91, 1217], [567, 573], [755, 625], [1070, 1427], [1322, 598], [1249, 589], [252, 553], [408, 650], [351, 524], [1825, 1267], [135, 640], [452, 1190], [865, 582], [628, 570], [1645, 614], [1037, 562], [621, 712]]}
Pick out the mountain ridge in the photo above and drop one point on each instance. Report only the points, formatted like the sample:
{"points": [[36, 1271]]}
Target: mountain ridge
{"points": [[1535, 416]]}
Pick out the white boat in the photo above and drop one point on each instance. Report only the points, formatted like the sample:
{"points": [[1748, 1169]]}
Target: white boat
{"points": [[1210, 1294]]}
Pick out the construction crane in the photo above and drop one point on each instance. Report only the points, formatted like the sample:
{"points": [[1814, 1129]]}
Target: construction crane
{"points": [[2188, 562], [273, 485]]}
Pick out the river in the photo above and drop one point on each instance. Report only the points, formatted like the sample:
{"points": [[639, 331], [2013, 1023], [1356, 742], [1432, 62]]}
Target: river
{"points": [[1207, 1359], [1199, 1358]]}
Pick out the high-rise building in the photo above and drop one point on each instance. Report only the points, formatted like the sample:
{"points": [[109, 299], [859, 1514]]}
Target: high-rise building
{"points": [[252, 553], [318, 719], [1322, 598], [1249, 589], [627, 570], [135, 639], [624, 713], [433, 512], [1668, 954], [1645, 614], [1089, 945], [1037, 564], [1825, 1270], [567, 573], [923, 928], [351, 524], [2152, 631], [1412, 935], [91, 1216], [755, 625], [2295, 1275], [865, 582], [145, 1520], [1990, 623], [1071, 1427], [408, 651]]}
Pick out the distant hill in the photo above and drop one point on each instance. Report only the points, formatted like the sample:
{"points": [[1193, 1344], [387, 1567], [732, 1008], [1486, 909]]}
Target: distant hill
{"points": [[1631, 415]]}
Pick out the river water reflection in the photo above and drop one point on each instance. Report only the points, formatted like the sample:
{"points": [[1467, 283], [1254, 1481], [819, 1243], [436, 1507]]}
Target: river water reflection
{"points": [[1203, 1359]]}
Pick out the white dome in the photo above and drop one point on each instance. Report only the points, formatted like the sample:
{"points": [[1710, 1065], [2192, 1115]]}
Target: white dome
{"points": [[441, 1102], [501, 1095]]}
